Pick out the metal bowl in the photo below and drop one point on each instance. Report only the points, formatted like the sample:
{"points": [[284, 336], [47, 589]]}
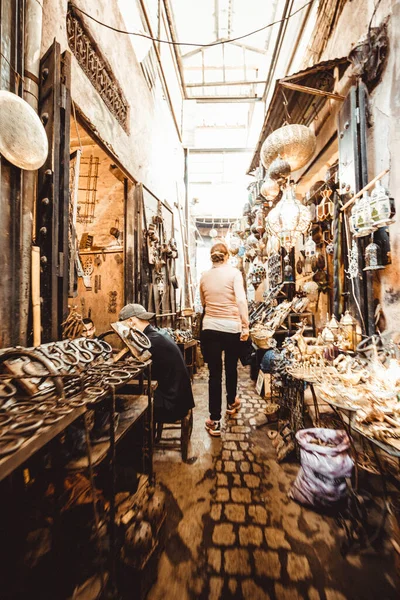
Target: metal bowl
{"points": [[23, 139]]}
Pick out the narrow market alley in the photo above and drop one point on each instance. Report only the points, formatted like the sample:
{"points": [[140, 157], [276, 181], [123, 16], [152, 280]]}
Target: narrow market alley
{"points": [[199, 300], [232, 531]]}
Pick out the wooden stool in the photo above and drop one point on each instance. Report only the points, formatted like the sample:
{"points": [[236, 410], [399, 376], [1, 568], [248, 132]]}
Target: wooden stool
{"points": [[181, 441]]}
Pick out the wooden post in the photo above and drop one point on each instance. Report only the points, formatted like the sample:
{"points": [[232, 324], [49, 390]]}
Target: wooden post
{"points": [[35, 283]]}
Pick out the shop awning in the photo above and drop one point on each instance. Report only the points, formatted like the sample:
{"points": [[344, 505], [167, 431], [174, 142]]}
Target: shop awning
{"points": [[298, 98]]}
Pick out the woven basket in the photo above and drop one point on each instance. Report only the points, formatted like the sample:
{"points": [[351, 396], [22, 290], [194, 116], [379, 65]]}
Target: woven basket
{"points": [[261, 340]]}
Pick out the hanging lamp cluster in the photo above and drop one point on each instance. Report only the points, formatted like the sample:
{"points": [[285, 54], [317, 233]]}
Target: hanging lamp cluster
{"points": [[289, 219]]}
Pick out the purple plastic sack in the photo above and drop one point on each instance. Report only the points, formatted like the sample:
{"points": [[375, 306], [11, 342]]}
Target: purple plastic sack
{"points": [[321, 480]]}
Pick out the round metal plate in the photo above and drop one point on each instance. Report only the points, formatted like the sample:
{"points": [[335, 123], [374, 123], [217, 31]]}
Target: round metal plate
{"points": [[23, 139]]}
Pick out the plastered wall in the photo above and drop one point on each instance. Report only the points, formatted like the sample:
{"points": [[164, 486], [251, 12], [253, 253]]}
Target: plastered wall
{"points": [[151, 153]]}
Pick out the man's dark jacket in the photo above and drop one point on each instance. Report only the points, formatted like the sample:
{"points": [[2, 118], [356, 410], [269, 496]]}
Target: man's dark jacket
{"points": [[174, 391]]}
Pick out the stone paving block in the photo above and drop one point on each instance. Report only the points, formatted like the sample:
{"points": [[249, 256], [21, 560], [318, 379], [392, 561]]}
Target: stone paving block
{"points": [[223, 535], [239, 422], [215, 512], [216, 585], [222, 479], [313, 594], [333, 594], [244, 445], [222, 495], [235, 513], [252, 481], [230, 446], [267, 564], [282, 592], [241, 495], [298, 567], [238, 455], [250, 456], [275, 538], [218, 465], [232, 584], [250, 536], [251, 591], [236, 562], [256, 468], [240, 429], [196, 586], [235, 437], [214, 559], [226, 454], [237, 480], [258, 514], [244, 467], [229, 466]]}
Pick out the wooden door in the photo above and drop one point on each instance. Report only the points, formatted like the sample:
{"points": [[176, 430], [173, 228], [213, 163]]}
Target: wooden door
{"points": [[53, 190]]}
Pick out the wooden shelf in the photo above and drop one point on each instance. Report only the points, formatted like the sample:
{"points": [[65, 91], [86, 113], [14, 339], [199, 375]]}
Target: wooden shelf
{"points": [[9, 463], [103, 250], [100, 451]]}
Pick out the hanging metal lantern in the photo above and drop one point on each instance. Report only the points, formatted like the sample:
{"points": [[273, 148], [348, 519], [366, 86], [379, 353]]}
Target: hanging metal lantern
{"points": [[325, 208], [294, 143], [269, 189], [273, 245], [279, 170], [373, 258], [310, 247], [382, 208], [259, 221], [289, 219], [360, 217], [333, 325], [349, 327]]}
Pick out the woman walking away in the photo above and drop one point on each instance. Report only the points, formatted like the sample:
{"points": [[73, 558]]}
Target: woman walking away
{"points": [[225, 323]]}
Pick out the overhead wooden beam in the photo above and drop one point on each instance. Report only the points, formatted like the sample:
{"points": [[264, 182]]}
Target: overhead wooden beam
{"points": [[161, 68], [222, 83], [308, 90], [172, 30]]}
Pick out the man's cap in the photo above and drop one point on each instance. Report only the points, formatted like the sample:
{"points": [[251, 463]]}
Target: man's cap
{"points": [[135, 310]]}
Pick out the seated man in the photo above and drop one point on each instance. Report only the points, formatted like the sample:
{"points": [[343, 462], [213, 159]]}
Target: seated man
{"points": [[173, 397], [89, 329]]}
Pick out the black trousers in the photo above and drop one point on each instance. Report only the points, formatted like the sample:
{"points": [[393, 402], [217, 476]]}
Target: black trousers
{"points": [[214, 344]]}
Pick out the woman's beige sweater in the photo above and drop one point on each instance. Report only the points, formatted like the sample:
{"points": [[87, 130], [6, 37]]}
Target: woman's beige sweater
{"points": [[222, 293]]}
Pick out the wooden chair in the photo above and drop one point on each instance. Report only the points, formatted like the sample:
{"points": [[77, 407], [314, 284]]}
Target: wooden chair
{"points": [[184, 429]]}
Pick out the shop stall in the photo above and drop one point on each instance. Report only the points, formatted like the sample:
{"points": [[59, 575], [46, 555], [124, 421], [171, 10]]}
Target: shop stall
{"points": [[312, 243], [76, 441]]}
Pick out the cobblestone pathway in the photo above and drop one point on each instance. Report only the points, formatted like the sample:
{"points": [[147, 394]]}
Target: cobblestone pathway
{"points": [[241, 537]]}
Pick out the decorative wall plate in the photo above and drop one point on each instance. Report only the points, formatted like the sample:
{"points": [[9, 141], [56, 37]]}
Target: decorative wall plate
{"points": [[23, 139]]}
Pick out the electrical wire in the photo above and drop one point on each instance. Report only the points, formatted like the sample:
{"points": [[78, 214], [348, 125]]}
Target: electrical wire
{"points": [[172, 43]]}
